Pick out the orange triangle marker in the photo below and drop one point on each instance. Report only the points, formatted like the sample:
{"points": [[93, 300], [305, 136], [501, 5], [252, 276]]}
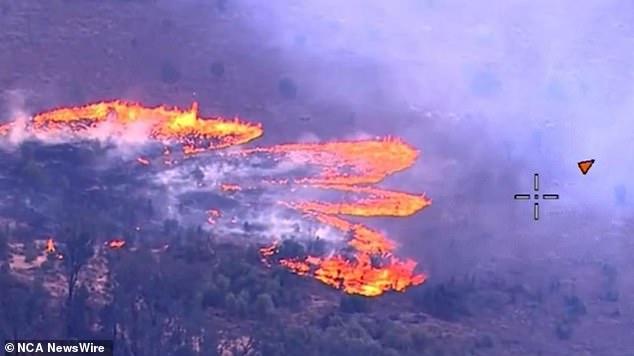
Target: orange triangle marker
{"points": [[584, 166]]}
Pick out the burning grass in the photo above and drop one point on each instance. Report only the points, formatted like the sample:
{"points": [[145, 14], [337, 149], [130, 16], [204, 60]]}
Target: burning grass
{"points": [[351, 167]]}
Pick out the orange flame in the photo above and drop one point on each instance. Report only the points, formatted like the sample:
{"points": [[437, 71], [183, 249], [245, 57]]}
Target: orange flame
{"points": [[345, 167]]}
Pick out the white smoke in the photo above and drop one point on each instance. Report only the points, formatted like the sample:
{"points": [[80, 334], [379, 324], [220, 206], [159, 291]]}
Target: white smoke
{"points": [[17, 112], [258, 203], [308, 137]]}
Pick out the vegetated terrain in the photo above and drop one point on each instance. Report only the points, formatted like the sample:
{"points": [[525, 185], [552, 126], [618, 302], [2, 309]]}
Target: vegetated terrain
{"points": [[175, 289], [180, 290]]}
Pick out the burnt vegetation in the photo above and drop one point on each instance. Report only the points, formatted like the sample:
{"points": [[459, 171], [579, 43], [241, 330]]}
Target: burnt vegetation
{"points": [[172, 289], [287, 88], [181, 290], [217, 69]]}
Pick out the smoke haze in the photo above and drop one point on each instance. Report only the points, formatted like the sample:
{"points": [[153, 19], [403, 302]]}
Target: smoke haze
{"points": [[544, 83], [490, 93]]}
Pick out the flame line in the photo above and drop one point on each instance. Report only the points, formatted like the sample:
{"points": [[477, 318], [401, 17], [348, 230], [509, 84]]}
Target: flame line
{"points": [[345, 166]]}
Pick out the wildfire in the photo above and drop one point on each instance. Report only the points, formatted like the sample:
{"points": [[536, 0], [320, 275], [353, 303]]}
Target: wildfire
{"points": [[52, 249], [214, 214], [350, 167], [358, 276], [370, 161], [5, 128], [230, 187]]}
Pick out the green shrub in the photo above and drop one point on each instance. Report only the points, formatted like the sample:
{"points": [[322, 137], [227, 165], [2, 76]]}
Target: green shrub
{"points": [[287, 88], [169, 73], [217, 69]]}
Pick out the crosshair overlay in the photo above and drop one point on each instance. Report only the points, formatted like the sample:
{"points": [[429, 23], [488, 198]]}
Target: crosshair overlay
{"points": [[536, 196]]}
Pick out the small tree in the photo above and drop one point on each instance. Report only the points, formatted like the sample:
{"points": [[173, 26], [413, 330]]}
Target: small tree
{"points": [[169, 73], [4, 247], [78, 250], [353, 304], [264, 306], [217, 69], [287, 88]]}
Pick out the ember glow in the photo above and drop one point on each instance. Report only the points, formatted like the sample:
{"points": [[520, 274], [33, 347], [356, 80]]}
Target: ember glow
{"points": [[52, 249], [230, 187], [350, 167], [50, 246], [214, 215], [116, 243]]}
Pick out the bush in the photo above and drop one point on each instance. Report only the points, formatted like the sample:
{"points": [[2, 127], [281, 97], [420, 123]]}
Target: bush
{"points": [[213, 297], [353, 304], [264, 306], [397, 338], [217, 69], [221, 5], [235, 305], [563, 330], [230, 302], [316, 247], [4, 247], [610, 291], [291, 249], [167, 24], [445, 301], [223, 282], [5, 8], [609, 271], [287, 88], [574, 306], [610, 294], [420, 339]]}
